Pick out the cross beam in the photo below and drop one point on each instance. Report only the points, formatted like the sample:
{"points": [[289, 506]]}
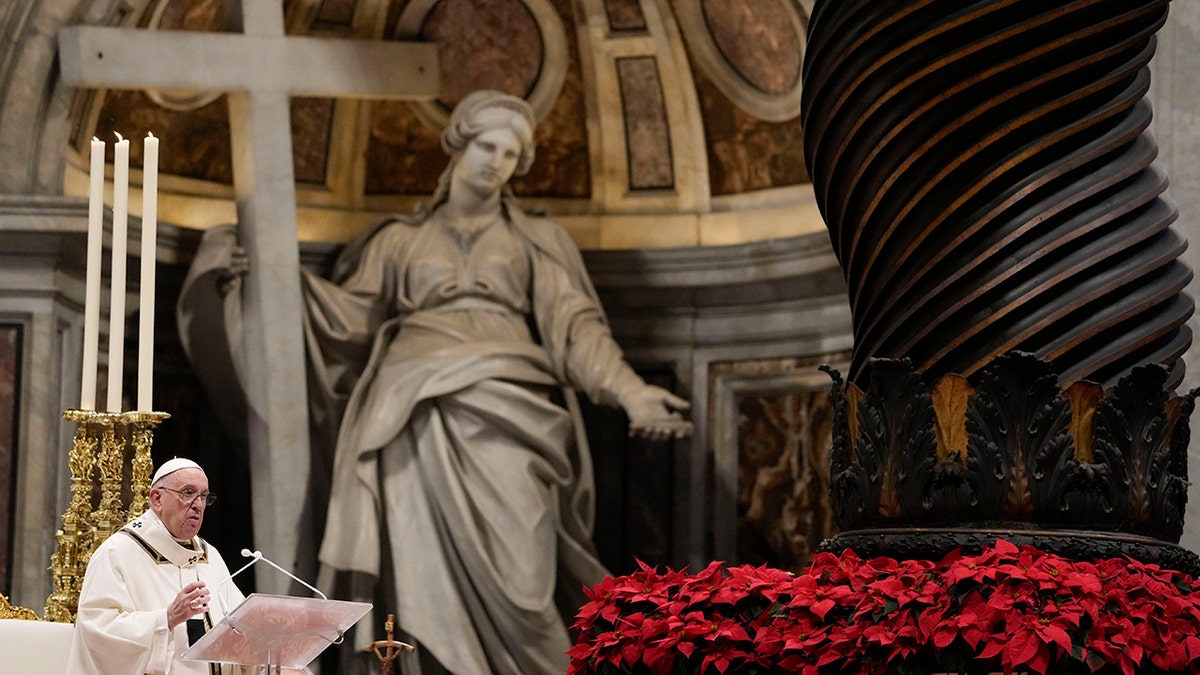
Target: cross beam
{"points": [[115, 58], [259, 68]]}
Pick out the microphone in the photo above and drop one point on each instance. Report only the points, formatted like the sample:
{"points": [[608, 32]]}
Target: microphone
{"points": [[248, 554]]}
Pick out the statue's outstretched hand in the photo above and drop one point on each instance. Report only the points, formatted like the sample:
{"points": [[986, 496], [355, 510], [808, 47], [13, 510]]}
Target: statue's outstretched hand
{"points": [[655, 413]]}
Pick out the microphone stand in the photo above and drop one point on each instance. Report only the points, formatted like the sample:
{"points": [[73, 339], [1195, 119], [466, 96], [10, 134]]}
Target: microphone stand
{"points": [[257, 556]]}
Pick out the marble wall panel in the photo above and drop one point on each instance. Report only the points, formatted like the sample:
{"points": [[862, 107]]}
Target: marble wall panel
{"points": [[784, 510], [335, 14], [312, 129], [195, 143], [647, 139], [404, 156], [624, 15], [10, 378], [758, 39], [203, 15], [492, 44], [746, 153], [771, 422]]}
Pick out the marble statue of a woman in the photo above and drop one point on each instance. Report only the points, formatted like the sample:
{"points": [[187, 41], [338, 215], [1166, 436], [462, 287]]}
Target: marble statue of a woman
{"points": [[443, 342]]}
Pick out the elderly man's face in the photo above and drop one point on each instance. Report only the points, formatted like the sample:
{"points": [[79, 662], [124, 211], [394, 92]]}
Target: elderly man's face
{"points": [[170, 502]]}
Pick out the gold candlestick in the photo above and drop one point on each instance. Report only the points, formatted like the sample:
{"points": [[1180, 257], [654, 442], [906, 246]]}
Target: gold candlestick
{"points": [[142, 439], [109, 516], [99, 444], [69, 560]]}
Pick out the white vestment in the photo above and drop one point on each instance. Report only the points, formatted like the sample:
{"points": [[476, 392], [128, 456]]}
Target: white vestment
{"points": [[121, 626]]}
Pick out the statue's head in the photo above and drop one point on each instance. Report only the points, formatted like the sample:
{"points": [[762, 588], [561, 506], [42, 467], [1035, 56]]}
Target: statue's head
{"points": [[487, 109]]}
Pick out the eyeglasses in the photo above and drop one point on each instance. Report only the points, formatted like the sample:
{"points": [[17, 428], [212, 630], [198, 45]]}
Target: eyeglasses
{"points": [[189, 496]]}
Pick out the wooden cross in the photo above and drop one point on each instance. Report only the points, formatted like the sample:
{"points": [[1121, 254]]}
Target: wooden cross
{"points": [[388, 650], [259, 68]]}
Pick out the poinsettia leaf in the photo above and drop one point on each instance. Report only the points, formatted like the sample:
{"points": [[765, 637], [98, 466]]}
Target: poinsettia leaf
{"points": [[1134, 652], [943, 639], [1058, 636], [1004, 547], [631, 653], [1022, 647], [821, 607], [718, 661], [991, 649]]}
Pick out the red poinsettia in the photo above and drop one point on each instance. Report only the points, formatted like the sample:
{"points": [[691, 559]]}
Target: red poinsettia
{"points": [[1007, 609]]}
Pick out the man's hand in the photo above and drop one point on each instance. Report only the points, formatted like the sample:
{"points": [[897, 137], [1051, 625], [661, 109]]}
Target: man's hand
{"points": [[192, 600]]}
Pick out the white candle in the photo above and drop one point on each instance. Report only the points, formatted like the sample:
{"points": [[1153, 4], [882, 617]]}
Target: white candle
{"points": [[149, 247], [91, 303], [116, 311]]}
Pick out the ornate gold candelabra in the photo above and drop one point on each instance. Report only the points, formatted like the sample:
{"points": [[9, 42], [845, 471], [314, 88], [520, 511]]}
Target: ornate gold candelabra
{"points": [[142, 439], [99, 447]]}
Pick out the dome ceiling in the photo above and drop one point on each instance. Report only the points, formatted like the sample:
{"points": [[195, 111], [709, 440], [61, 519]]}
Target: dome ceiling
{"points": [[645, 108]]}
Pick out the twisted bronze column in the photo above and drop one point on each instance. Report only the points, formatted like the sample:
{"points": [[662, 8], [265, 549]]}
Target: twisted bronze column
{"points": [[985, 173]]}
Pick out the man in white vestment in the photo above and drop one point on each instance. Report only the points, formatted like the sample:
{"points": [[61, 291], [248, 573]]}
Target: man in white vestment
{"points": [[146, 581]]}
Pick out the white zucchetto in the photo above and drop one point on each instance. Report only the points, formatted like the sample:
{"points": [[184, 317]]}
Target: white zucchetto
{"points": [[171, 466]]}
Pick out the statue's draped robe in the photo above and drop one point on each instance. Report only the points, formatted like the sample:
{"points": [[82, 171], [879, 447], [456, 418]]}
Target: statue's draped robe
{"points": [[121, 625], [445, 362]]}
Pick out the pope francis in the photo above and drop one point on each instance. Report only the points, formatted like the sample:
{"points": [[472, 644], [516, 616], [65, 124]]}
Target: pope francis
{"points": [[148, 581]]}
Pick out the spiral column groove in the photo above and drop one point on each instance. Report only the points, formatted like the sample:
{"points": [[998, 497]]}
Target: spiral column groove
{"points": [[987, 179], [986, 176]]}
